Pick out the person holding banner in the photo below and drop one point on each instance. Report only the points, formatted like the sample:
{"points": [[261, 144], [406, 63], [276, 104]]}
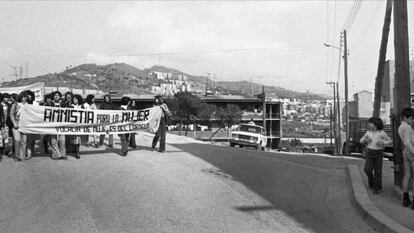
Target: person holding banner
{"points": [[31, 138], [107, 105], [132, 106], [57, 142], [76, 139], [161, 132], [90, 105], [20, 139], [48, 101], [124, 137]]}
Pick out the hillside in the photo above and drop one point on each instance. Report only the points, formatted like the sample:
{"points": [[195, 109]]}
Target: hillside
{"points": [[248, 88], [127, 79]]}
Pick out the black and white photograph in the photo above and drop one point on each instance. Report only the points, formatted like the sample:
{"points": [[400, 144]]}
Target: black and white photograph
{"points": [[207, 116]]}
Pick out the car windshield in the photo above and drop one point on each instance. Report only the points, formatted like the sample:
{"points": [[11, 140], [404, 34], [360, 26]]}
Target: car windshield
{"points": [[251, 129]]}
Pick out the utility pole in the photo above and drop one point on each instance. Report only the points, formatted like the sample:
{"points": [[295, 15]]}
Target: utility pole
{"points": [[346, 94], [27, 69], [264, 108], [339, 120], [330, 124], [381, 60], [333, 117], [402, 82]]}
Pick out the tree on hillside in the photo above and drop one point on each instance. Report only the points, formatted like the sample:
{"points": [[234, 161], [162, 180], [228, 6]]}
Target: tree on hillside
{"points": [[206, 112], [186, 107], [228, 116]]}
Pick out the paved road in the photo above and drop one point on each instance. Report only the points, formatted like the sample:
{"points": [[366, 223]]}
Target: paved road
{"points": [[191, 188], [314, 190]]}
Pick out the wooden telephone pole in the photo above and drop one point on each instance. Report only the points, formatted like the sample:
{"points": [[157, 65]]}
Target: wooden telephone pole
{"points": [[346, 94], [402, 97], [381, 61]]}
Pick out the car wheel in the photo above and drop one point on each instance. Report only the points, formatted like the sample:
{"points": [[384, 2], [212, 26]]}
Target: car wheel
{"points": [[231, 144], [263, 148], [241, 146]]}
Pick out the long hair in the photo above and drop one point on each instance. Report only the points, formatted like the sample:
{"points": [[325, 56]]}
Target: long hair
{"points": [[56, 92], [21, 96], [79, 98], [89, 99], [109, 96], [377, 122]]}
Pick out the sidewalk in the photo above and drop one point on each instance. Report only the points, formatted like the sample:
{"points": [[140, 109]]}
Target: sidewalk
{"points": [[390, 201]]}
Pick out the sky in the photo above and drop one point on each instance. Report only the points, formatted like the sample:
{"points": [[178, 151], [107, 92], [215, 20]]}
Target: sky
{"points": [[276, 43]]}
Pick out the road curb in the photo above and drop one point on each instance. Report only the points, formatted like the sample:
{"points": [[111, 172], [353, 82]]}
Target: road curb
{"points": [[368, 210]]}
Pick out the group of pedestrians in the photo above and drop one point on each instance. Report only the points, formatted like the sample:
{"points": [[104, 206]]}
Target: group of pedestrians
{"points": [[20, 146], [376, 139]]}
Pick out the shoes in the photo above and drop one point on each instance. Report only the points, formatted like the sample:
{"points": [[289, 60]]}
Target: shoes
{"points": [[134, 146], [125, 153], [161, 151], [406, 202], [110, 146], [152, 149], [63, 158], [375, 192]]}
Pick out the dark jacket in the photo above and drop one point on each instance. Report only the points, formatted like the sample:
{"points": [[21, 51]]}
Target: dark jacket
{"points": [[107, 106]]}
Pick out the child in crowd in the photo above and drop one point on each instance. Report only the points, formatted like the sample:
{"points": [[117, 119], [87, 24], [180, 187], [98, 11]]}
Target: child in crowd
{"points": [[375, 139], [406, 133]]}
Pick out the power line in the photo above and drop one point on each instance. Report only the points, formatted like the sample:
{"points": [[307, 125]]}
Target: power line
{"points": [[369, 23], [355, 15], [351, 12], [352, 15]]}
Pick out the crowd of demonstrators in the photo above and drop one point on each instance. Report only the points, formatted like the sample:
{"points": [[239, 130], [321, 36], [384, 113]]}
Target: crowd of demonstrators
{"points": [[21, 146]]}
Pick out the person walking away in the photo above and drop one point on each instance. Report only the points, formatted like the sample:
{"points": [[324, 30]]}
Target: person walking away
{"points": [[124, 136], [161, 132], [376, 140], [90, 105], [107, 105], [132, 142], [76, 139], [57, 142], [406, 133], [20, 139]]}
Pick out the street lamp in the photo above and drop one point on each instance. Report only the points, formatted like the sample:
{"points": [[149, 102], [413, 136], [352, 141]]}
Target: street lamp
{"points": [[346, 93], [333, 46]]}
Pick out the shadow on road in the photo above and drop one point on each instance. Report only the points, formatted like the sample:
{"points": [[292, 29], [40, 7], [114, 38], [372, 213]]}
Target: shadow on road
{"points": [[255, 208], [314, 190]]}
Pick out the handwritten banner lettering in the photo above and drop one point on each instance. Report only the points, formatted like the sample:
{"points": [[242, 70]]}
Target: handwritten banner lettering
{"points": [[69, 121]]}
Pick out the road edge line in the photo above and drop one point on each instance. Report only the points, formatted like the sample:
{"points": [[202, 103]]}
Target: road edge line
{"points": [[368, 210]]}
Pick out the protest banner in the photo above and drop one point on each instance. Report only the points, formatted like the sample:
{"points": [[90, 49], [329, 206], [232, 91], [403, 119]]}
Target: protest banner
{"points": [[69, 121], [37, 88]]}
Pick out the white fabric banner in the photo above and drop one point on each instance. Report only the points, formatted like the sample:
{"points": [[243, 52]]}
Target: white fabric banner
{"points": [[37, 88], [70, 121]]}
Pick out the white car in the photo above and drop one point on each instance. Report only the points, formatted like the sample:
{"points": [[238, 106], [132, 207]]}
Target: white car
{"points": [[249, 135]]}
